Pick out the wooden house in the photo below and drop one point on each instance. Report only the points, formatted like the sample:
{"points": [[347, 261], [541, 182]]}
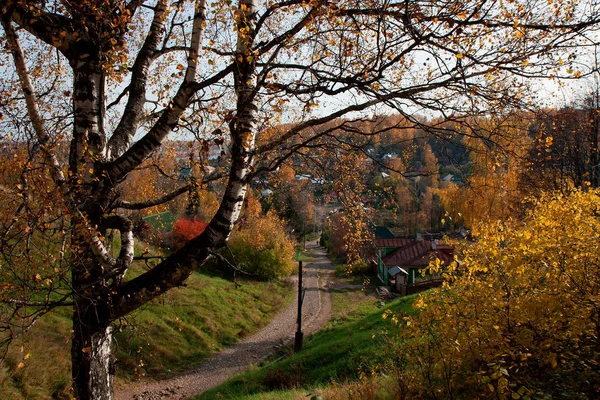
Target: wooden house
{"points": [[401, 261]]}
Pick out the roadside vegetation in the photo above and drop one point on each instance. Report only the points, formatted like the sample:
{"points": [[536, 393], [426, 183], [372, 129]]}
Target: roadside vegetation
{"points": [[352, 347], [519, 317], [516, 319], [177, 331]]}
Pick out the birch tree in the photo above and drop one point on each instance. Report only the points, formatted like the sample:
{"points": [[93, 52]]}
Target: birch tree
{"points": [[103, 83]]}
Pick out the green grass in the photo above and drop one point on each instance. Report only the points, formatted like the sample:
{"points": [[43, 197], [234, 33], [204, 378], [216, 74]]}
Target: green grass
{"points": [[347, 299], [176, 332], [292, 394], [162, 221], [187, 325], [44, 353], [350, 344], [305, 255]]}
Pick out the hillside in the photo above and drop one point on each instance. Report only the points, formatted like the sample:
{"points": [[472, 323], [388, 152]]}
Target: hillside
{"points": [[175, 332]]}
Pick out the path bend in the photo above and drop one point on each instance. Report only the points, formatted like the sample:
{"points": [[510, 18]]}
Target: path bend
{"points": [[316, 311]]}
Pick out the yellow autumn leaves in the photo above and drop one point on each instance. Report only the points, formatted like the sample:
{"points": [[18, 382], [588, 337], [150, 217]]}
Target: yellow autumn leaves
{"points": [[521, 309], [261, 246]]}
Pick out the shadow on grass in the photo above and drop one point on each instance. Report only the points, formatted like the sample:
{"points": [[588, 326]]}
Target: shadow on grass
{"points": [[336, 354]]}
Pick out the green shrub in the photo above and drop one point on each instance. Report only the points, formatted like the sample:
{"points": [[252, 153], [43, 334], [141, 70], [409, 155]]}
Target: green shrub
{"points": [[262, 247], [358, 267]]}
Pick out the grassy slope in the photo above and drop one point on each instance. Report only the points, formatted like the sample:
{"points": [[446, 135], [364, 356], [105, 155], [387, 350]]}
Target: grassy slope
{"points": [[336, 354], [189, 324], [179, 330]]}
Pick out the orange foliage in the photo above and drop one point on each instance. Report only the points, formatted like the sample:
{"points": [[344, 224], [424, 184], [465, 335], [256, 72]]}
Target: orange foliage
{"points": [[286, 174], [184, 230]]}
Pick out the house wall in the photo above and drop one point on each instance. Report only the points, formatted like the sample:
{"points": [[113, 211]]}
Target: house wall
{"points": [[382, 269], [414, 273]]}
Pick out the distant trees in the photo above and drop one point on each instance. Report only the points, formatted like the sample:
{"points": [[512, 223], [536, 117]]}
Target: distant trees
{"points": [[294, 202], [565, 151], [404, 181], [493, 189], [93, 88]]}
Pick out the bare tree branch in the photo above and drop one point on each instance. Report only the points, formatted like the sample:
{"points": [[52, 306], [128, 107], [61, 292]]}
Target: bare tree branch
{"points": [[125, 131]]}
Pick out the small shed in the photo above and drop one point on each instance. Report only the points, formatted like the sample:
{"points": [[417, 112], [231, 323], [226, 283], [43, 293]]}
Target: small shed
{"points": [[266, 193], [399, 279]]}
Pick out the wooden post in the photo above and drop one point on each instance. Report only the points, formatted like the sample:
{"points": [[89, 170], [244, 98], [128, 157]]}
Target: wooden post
{"points": [[299, 334], [304, 235]]}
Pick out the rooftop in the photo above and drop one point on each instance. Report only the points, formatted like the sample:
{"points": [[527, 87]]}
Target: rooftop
{"points": [[414, 252]]}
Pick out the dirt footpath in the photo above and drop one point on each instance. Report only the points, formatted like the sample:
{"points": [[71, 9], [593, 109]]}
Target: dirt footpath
{"points": [[316, 311]]}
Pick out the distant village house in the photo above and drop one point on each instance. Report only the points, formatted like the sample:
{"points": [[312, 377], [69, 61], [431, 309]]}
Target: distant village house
{"points": [[402, 261]]}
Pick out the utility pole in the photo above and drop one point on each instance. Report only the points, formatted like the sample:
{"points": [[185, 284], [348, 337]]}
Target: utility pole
{"points": [[303, 237], [299, 335]]}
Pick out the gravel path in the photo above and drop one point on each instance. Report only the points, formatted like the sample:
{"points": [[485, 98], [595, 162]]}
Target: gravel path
{"points": [[234, 360]]}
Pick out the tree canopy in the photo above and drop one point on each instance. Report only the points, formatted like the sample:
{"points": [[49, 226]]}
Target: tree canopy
{"points": [[95, 87], [518, 316]]}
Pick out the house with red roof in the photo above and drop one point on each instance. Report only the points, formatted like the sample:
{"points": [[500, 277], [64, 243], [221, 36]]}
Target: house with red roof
{"points": [[401, 261]]}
